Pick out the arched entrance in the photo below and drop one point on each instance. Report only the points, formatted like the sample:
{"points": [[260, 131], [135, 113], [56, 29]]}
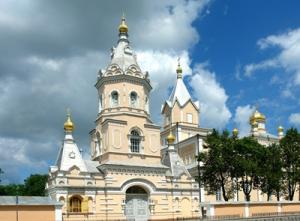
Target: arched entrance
{"points": [[137, 204]]}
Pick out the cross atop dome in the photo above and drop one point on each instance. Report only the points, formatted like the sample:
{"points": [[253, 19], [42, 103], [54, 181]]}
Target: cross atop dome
{"points": [[69, 125], [123, 28], [179, 69]]}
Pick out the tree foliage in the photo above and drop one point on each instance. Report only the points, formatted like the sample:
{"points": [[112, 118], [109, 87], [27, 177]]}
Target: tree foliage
{"points": [[34, 185], [248, 155], [271, 174], [232, 164], [290, 154], [218, 171]]}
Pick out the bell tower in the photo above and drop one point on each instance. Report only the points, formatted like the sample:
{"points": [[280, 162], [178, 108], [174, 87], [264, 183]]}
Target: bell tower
{"points": [[124, 131], [180, 112]]}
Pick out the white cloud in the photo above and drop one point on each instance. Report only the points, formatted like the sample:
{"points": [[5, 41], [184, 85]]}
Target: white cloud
{"points": [[162, 70], [23, 153], [212, 97], [241, 118], [294, 118], [264, 65], [48, 68], [288, 57], [170, 25]]}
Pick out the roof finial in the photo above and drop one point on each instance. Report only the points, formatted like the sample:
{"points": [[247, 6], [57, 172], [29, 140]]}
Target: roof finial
{"points": [[68, 125], [179, 69], [123, 28]]}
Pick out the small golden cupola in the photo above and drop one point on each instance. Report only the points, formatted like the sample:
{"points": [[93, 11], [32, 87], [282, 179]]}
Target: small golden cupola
{"points": [[179, 70], [258, 123], [257, 117], [280, 132], [69, 125], [235, 132], [123, 28], [171, 138]]}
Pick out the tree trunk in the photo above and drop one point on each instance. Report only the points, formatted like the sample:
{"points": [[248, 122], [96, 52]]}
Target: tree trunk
{"points": [[247, 197], [278, 196], [224, 193], [291, 192]]}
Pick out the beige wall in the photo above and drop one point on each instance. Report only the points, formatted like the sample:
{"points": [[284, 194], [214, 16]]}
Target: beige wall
{"points": [[265, 208], [253, 209], [290, 208], [180, 114], [27, 213], [229, 210]]}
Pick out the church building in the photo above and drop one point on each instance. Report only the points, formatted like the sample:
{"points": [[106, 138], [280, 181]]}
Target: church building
{"points": [[128, 177], [139, 170]]}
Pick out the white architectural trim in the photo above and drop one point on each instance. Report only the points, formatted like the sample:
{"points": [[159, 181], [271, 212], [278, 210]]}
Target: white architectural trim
{"points": [[145, 185], [58, 213]]}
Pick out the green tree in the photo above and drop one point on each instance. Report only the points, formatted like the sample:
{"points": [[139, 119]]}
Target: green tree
{"points": [[35, 184], [290, 151], [12, 190], [271, 171], [217, 164], [246, 163]]}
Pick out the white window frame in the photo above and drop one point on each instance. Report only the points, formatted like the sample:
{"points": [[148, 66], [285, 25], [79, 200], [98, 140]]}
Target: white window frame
{"points": [[189, 118], [112, 101]]}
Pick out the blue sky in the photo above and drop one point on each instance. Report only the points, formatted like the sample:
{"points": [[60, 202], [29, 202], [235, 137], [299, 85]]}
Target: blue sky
{"points": [[234, 54], [230, 31]]}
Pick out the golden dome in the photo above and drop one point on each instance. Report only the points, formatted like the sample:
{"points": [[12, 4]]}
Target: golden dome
{"points": [[68, 125], [171, 138], [280, 129], [257, 117], [235, 131], [123, 28]]}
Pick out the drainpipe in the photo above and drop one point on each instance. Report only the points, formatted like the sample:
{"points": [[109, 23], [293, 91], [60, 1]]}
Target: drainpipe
{"points": [[17, 207], [199, 173], [177, 133]]}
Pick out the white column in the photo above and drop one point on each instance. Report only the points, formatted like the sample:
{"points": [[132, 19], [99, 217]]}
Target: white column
{"points": [[246, 210], [210, 210], [279, 208], [58, 213]]}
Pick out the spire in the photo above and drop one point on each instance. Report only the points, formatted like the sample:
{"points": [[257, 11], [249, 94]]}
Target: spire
{"points": [[179, 69], [180, 92], [69, 154]]}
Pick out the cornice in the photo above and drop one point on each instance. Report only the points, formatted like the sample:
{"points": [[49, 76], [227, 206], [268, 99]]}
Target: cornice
{"points": [[122, 78]]}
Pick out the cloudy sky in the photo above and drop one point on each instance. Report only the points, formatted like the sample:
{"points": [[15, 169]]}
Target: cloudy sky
{"points": [[235, 55]]}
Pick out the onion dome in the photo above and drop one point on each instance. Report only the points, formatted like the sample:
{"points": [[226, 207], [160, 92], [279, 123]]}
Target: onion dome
{"points": [[280, 129], [68, 125], [171, 138], [257, 117], [179, 70], [123, 28], [235, 132]]}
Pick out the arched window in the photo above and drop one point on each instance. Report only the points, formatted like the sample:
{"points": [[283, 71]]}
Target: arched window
{"points": [[135, 140], [133, 99], [114, 99], [75, 204]]}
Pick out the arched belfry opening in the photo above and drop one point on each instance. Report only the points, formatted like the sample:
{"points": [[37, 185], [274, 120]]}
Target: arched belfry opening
{"points": [[137, 203]]}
